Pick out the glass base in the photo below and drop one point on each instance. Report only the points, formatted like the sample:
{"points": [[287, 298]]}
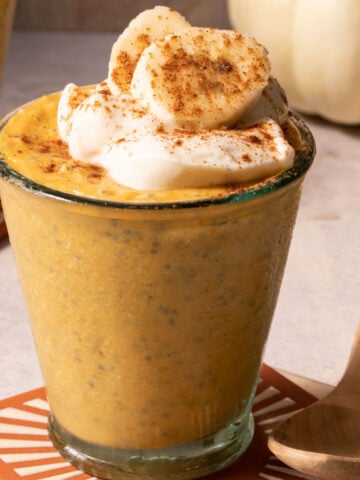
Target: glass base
{"points": [[186, 461]]}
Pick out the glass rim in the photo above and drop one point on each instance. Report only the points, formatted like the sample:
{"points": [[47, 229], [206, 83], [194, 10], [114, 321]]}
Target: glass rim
{"points": [[303, 159]]}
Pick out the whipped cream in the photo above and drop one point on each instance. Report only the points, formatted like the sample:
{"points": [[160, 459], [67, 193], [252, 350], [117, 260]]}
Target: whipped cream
{"points": [[121, 131], [198, 158]]}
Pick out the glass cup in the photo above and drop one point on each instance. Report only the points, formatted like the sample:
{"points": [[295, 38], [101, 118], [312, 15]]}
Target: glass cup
{"points": [[150, 320], [7, 9]]}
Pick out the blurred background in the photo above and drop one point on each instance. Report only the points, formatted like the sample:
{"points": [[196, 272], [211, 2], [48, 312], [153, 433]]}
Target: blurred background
{"points": [[59, 41], [110, 15]]}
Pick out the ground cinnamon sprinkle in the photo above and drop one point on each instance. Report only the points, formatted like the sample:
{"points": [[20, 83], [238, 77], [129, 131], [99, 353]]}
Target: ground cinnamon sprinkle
{"points": [[57, 147], [160, 129], [87, 169], [45, 149], [95, 174], [254, 139], [26, 139], [50, 168], [143, 39], [104, 89], [59, 154], [78, 96], [190, 77], [122, 74], [224, 66]]}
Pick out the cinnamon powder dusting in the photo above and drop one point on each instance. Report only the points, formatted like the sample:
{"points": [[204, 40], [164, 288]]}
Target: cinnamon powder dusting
{"points": [[122, 74], [56, 157], [78, 96], [193, 82], [50, 168]]}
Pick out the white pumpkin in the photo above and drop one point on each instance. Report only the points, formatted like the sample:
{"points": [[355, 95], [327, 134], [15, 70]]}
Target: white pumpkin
{"points": [[314, 48]]}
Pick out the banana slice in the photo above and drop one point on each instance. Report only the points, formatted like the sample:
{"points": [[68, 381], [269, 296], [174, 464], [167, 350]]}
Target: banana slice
{"points": [[147, 27], [201, 78]]}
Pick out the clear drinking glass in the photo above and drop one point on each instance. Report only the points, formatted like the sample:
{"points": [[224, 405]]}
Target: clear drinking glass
{"points": [[150, 320], [7, 9]]}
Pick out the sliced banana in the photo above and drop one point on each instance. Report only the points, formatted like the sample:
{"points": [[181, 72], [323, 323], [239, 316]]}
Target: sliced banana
{"points": [[201, 77], [147, 27]]}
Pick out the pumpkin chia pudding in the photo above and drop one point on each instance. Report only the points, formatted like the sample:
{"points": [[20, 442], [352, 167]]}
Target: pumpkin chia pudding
{"points": [[150, 227]]}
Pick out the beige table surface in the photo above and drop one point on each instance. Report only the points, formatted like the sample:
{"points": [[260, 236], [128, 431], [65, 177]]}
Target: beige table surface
{"points": [[319, 304]]}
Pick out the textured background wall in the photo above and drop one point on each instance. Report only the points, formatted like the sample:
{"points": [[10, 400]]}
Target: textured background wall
{"points": [[110, 15]]}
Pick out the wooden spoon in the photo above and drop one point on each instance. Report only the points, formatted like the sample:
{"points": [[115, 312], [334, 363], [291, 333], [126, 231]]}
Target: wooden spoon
{"points": [[3, 231], [323, 440]]}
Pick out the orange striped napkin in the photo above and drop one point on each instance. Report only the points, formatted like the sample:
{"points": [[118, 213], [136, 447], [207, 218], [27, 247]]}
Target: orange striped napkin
{"points": [[26, 451]]}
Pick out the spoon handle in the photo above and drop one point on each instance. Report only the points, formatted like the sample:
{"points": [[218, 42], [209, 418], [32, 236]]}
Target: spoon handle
{"points": [[3, 231], [351, 379]]}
